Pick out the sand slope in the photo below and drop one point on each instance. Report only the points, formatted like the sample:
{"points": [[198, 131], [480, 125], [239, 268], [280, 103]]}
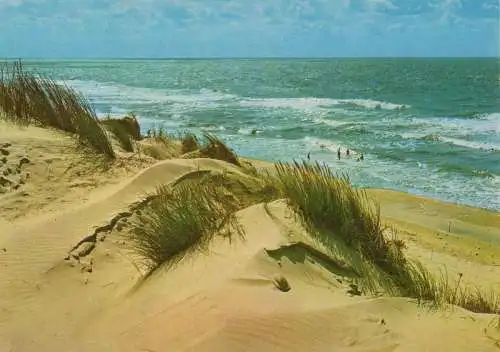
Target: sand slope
{"points": [[224, 300]]}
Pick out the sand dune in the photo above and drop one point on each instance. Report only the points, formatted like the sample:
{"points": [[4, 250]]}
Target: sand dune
{"points": [[223, 300]]}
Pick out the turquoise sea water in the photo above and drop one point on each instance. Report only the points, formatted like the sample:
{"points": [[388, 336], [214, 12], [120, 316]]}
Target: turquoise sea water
{"points": [[425, 126]]}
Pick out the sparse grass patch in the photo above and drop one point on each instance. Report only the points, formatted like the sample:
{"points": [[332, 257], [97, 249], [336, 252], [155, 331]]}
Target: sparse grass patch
{"points": [[214, 148], [281, 283], [210, 146], [159, 135], [478, 301], [160, 144], [189, 142], [29, 99], [180, 221], [121, 132], [158, 151]]}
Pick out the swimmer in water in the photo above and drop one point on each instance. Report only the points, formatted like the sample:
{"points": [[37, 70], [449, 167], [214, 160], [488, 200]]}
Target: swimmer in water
{"points": [[309, 156], [338, 153], [347, 152], [361, 157]]}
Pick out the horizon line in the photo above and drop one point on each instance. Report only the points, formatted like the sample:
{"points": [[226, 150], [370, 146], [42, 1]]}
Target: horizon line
{"points": [[249, 58]]}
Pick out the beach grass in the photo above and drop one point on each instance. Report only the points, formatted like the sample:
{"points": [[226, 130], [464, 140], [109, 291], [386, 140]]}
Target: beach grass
{"points": [[344, 219], [123, 134], [182, 220], [159, 135], [29, 99], [215, 148], [189, 142], [192, 146]]}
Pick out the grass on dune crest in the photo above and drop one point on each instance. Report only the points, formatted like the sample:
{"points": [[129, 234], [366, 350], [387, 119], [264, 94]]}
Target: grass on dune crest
{"points": [[188, 140], [121, 133], [26, 98], [344, 220], [329, 205], [209, 146], [214, 148], [185, 216], [161, 144], [181, 220]]}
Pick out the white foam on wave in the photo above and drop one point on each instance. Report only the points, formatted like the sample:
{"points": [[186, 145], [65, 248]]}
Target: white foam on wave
{"points": [[213, 128], [328, 122], [316, 103], [494, 116], [482, 124], [247, 131], [455, 141], [494, 119], [470, 144], [374, 104], [288, 103], [119, 94]]}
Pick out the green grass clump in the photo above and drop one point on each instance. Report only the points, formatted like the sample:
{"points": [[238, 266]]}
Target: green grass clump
{"points": [[182, 220], [210, 146], [160, 144], [335, 210], [348, 224], [159, 135], [156, 151], [189, 142], [29, 99], [121, 132], [214, 148]]}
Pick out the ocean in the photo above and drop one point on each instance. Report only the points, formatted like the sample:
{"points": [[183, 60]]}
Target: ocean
{"points": [[425, 126]]}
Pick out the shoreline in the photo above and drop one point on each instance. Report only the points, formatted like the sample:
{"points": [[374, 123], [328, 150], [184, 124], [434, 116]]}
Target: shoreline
{"points": [[268, 163]]}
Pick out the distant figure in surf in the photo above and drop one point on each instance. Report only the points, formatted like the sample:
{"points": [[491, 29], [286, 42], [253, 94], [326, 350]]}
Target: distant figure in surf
{"points": [[309, 156], [361, 157], [338, 153], [347, 152]]}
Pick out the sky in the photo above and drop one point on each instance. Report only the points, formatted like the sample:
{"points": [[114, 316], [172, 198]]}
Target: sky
{"points": [[248, 28]]}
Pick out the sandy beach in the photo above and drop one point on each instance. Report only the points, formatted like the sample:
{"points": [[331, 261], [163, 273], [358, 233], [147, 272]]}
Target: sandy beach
{"points": [[69, 280]]}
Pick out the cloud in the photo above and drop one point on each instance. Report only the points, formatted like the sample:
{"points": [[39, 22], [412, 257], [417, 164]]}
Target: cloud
{"points": [[274, 26]]}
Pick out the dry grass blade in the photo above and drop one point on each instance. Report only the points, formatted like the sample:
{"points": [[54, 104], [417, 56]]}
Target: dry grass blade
{"points": [[216, 149]]}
